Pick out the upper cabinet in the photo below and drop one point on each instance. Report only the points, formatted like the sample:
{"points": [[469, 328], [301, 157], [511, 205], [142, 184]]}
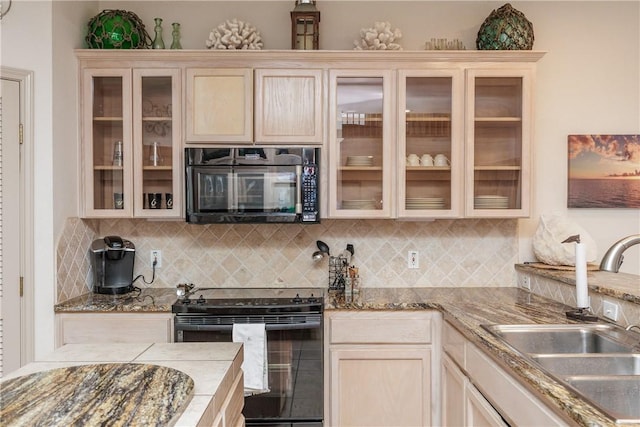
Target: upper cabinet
{"points": [[219, 105], [430, 145], [499, 112], [361, 138], [131, 142], [221, 102]]}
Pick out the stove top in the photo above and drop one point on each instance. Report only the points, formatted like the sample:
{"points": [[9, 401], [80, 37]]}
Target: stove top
{"points": [[265, 300]]}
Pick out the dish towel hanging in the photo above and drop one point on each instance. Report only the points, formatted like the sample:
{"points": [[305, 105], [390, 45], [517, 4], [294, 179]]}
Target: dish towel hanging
{"points": [[255, 368]]}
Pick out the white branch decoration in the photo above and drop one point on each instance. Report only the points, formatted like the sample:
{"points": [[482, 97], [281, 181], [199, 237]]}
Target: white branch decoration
{"points": [[234, 34], [380, 37]]}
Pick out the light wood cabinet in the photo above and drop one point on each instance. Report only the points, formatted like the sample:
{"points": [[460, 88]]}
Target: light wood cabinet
{"points": [[361, 144], [381, 368], [478, 392], [80, 328], [131, 127], [431, 128], [288, 106], [499, 127], [220, 106]]}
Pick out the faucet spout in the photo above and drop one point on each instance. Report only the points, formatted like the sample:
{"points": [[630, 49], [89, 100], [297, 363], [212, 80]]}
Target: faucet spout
{"points": [[612, 260]]}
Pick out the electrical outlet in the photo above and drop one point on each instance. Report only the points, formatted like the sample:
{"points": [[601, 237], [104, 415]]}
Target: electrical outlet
{"points": [[156, 255], [610, 310], [525, 282], [413, 261]]}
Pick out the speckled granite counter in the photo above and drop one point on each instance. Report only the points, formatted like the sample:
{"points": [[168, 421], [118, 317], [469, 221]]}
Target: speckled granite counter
{"points": [[195, 379], [469, 308], [146, 300]]}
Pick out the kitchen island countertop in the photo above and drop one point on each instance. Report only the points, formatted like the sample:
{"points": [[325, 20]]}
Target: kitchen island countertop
{"points": [[208, 373]]}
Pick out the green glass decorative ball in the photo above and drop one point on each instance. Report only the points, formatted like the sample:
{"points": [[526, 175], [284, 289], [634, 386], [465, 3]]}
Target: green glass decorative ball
{"points": [[117, 29], [505, 29]]}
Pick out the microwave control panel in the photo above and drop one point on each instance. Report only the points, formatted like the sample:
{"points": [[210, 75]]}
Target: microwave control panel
{"points": [[310, 205]]}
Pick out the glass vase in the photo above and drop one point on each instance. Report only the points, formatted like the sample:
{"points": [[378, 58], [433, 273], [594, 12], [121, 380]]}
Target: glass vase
{"points": [[175, 44], [158, 42]]}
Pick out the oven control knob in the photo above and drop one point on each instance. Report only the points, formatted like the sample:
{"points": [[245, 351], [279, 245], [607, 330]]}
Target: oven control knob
{"points": [[312, 299], [201, 300], [297, 299]]}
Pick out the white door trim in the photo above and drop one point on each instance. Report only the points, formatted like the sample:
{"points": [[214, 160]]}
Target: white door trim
{"points": [[25, 78]]}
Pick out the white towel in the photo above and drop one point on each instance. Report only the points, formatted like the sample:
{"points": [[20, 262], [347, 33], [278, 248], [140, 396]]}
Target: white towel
{"points": [[254, 338]]}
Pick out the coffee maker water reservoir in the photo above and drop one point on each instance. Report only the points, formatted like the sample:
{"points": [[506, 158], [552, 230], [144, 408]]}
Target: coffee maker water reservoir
{"points": [[112, 263]]}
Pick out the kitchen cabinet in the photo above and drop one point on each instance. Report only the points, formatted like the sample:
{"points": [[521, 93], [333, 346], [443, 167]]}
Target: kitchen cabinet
{"points": [[130, 146], [83, 328], [499, 127], [381, 368], [220, 106], [477, 391], [361, 138], [430, 125]]}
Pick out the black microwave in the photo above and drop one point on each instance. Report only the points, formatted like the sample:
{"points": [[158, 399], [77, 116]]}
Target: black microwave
{"points": [[252, 185]]}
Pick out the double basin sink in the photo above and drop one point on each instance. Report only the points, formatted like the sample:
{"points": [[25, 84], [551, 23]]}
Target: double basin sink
{"points": [[600, 362]]}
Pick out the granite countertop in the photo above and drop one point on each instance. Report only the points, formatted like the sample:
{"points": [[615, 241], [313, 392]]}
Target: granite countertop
{"points": [[145, 300], [182, 379], [469, 308]]}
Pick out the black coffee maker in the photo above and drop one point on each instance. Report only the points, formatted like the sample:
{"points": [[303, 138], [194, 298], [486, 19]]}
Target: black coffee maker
{"points": [[112, 262]]}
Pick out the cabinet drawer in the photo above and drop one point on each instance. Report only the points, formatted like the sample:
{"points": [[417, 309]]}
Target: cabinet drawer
{"points": [[453, 343], [74, 328], [381, 328]]}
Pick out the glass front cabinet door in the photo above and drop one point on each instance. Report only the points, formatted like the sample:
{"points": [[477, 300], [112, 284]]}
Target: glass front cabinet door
{"points": [[430, 155], [131, 137], [360, 159], [499, 104]]}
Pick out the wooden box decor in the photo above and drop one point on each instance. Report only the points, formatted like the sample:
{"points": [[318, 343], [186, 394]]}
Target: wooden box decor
{"points": [[505, 29], [117, 29]]}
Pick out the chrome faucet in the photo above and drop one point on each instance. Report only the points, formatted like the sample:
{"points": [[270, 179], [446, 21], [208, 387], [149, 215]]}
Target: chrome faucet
{"points": [[612, 260], [630, 327]]}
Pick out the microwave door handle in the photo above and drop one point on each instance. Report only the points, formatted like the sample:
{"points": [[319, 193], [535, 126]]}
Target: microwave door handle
{"points": [[232, 197], [299, 189], [269, 327]]}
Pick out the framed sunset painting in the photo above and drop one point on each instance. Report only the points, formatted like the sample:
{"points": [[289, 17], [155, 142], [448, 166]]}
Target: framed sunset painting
{"points": [[604, 171]]}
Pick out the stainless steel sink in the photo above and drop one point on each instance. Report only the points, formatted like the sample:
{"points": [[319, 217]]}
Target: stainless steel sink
{"points": [[559, 339], [600, 362], [588, 364], [617, 396]]}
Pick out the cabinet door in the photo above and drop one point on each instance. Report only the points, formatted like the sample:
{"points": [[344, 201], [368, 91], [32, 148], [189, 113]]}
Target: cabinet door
{"points": [[360, 155], [156, 142], [288, 106], [381, 386], [219, 105], [479, 411], [499, 106], [430, 143], [106, 143], [453, 394]]}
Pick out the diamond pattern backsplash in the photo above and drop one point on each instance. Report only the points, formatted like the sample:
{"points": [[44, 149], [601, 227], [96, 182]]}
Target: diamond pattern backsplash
{"points": [[463, 252]]}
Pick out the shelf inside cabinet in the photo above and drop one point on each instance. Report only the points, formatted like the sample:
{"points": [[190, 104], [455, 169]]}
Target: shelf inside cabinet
{"points": [[157, 168], [107, 168], [428, 168], [108, 119], [497, 168], [360, 168]]}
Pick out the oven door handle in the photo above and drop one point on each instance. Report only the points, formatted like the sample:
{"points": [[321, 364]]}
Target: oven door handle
{"points": [[268, 327]]}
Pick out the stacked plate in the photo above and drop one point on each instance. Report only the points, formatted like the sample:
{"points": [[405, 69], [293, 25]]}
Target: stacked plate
{"points": [[359, 160], [358, 204], [424, 203], [491, 202]]}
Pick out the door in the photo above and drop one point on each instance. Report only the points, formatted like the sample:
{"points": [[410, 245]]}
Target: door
{"points": [[10, 228]]}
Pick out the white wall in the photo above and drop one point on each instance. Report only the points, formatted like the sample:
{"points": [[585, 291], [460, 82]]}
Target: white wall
{"points": [[589, 82], [26, 35]]}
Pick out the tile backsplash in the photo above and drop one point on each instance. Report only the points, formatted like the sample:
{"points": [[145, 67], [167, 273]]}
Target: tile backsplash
{"points": [[462, 252]]}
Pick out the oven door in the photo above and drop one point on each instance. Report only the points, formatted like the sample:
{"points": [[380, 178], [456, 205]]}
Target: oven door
{"points": [[294, 354]]}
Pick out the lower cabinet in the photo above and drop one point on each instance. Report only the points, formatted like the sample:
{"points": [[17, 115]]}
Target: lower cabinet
{"points": [[75, 328], [462, 403], [478, 392], [381, 368]]}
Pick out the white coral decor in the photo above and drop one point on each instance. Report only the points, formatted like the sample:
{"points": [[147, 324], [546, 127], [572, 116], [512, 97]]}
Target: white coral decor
{"points": [[380, 37], [234, 34]]}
